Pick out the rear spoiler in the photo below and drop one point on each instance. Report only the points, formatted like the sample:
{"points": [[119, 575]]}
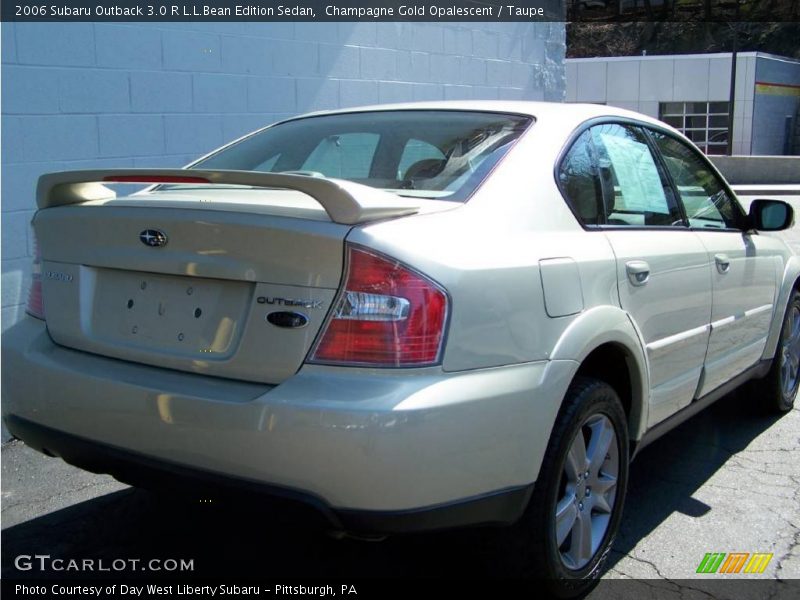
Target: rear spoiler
{"points": [[345, 202]]}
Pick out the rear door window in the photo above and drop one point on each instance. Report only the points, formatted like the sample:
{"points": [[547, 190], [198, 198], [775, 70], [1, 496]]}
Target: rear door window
{"points": [[635, 192]]}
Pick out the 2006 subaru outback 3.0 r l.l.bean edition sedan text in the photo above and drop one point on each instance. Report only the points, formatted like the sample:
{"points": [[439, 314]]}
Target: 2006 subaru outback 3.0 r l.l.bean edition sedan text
{"points": [[412, 317]]}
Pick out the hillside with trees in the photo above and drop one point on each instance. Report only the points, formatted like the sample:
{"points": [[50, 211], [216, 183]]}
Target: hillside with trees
{"points": [[627, 28]]}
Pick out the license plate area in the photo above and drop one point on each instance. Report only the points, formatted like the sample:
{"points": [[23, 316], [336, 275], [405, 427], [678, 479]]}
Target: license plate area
{"points": [[190, 317]]}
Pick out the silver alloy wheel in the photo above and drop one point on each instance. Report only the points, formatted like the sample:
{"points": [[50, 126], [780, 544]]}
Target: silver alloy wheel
{"points": [[790, 354], [587, 492]]}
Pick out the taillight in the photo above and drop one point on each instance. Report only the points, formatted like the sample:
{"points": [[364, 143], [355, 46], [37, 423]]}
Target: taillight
{"points": [[35, 299], [387, 316]]}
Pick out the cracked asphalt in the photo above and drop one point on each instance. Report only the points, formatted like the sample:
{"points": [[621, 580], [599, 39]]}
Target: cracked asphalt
{"points": [[726, 481]]}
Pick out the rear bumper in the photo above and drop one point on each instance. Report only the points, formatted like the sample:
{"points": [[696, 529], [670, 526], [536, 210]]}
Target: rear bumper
{"points": [[496, 508], [375, 451]]}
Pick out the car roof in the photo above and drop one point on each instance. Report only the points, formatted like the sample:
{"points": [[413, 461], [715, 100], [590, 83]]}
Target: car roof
{"points": [[571, 114]]}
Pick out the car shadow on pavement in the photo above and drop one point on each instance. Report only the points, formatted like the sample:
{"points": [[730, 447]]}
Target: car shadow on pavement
{"points": [[248, 539], [665, 475]]}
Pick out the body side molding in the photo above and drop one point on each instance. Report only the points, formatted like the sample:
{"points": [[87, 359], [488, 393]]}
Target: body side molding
{"points": [[758, 370]]}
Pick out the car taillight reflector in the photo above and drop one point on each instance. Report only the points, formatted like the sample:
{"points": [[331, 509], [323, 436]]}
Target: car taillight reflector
{"points": [[388, 315], [35, 300]]}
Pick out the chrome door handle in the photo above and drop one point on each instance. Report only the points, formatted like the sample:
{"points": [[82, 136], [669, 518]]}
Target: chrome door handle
{"points": [[638, 272], [723, 263]]}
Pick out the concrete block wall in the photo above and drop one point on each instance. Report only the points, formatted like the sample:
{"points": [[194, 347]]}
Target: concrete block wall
{"points": [[85, 95]]}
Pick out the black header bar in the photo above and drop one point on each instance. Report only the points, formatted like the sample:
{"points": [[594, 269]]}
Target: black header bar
{"points": [[586, 11], [284, 10]]}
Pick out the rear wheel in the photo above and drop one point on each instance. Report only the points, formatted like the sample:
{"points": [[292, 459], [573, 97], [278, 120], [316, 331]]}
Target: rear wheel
{"points": [[783, 379], [575, 510]]}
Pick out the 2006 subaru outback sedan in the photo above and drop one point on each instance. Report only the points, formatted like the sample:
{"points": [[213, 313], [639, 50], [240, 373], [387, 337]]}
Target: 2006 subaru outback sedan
{"points": [[412, 317]]}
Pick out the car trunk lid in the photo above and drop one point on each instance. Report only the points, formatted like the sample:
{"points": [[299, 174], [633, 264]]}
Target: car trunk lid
{"points": [[239, 287]]}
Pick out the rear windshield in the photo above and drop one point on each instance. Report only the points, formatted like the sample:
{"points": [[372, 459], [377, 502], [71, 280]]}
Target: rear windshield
{"points": [[430, 154]]}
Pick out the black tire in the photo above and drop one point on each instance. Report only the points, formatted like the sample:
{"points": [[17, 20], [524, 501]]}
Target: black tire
{"points": [[586, 400], [778, 395]]}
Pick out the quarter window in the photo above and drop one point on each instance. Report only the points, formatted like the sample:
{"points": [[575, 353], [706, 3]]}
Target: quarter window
{"points": [[704, 197], [579, 182]]}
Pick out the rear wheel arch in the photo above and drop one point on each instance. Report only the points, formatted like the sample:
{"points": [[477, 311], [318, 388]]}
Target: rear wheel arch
{"points": [[615, 364], [604, 344]]}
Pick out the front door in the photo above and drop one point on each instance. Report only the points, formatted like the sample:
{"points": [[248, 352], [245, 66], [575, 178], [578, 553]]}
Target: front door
{"points": [[744, 266]]}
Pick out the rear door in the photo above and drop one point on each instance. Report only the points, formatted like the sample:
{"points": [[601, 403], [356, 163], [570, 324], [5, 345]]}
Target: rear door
{"points": [[663, 273], [745, 265]]}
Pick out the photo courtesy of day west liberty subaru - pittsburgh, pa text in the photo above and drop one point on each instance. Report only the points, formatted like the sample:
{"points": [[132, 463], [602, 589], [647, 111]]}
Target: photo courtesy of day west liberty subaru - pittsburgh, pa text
{"points": [[182, 589]]}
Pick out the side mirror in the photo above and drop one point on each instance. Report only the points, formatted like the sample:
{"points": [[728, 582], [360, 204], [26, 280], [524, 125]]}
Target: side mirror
{"points": [[771, 215]]}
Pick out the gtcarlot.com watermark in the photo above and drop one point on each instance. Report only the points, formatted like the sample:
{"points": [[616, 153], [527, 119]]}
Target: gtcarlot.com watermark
{"points": [[46, 563]]}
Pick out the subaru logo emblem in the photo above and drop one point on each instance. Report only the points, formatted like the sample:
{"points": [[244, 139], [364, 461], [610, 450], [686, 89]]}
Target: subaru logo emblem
{"points": [[153, 238]]}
